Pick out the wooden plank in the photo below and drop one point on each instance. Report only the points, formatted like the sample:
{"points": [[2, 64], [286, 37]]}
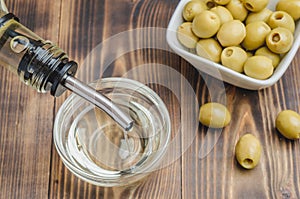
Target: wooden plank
{"points": [[218, 175], [31, 168], [79, 38], [81, 28], [26, 117]]}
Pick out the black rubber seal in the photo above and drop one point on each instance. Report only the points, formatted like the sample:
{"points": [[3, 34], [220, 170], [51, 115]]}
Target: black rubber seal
{"points": [[57, 77], [8, 17]]}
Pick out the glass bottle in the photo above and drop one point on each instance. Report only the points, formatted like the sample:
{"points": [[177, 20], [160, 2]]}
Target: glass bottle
{"points": [[45, 67]]}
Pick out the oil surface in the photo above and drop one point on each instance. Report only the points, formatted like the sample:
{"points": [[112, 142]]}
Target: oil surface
{"points": [[97, 144]]}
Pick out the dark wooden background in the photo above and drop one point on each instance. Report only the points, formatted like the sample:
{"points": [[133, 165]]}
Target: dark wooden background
{"points": [[31, 168]]}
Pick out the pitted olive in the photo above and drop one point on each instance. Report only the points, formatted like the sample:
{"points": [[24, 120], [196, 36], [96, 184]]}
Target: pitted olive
{"points": [[192, 8], [234, 58], [256, 33], [288, 124], [258, 67], [223, 14], [209, 49], [214, 115], [262, 15], [290, 6], [280, 40], [206, 24], [186, 36], [255, 5], [264, 51], [209, 3], [281, 19], [237, 9], [248, 151], [231, 33]]}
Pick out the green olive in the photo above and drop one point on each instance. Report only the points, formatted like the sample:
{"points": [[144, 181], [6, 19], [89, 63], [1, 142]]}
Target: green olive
{"points": [[258, 67], [255, 5], [288, 124], [281, 19], [231, 33], [222, 2], [206, 24], [280, 40], [209, 49], [209, 3], [264, 51], [214, 115], [262, 15], [234, 58], [248, 151], [237, 10], [192, 8], [186, 36], [290, 6], [256, 33], [223, 14]]}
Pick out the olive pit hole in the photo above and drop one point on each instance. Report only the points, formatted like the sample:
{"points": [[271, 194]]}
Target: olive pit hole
{"points": [[228, 52], [249, 6], [247, 162], [278, 16], [210, 4], [276, 37]]}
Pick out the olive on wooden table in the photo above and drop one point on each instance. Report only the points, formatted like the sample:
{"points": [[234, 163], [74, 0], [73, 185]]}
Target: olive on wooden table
{"points": [[234, 57], [280, 40], [231, 33], [256, 33], [258, 67], [192, 8], [248, 151], [206, 24], [264, 51], [290, 6], [281, 19], [186, 36], [209, 49], [288, 124], [214, 115]]}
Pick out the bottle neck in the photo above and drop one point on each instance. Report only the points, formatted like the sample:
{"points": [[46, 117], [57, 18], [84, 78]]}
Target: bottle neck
{"points": [[37, 62], [44, 66]]}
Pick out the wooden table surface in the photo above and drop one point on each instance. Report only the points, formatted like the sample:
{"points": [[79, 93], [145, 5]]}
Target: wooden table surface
{"points": [[31, 168]]}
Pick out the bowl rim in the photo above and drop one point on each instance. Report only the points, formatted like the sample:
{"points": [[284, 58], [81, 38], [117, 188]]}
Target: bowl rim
{"points": [[98, 180]]}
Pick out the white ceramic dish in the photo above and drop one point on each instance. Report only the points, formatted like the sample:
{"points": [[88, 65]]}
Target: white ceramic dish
{"points": [[217, 70]]}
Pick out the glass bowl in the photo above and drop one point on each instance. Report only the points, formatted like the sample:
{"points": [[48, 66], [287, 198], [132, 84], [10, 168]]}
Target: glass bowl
{"points": [[94, 148], [217, 70]]}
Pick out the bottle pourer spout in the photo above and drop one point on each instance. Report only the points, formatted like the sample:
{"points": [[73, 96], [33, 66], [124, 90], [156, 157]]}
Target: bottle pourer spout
{"points": [[45, 67], [99, 100]]}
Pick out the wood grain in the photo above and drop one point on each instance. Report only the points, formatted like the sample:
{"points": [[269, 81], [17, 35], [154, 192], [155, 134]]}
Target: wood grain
{"points": [[30, 166], [26, 131]]}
